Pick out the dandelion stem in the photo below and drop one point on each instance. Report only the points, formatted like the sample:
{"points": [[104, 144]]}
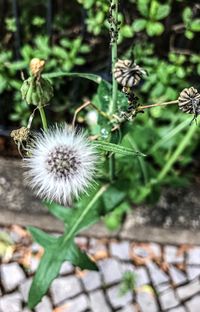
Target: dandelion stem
{"points": [[157, 104], [43, 117], [84, 214]]}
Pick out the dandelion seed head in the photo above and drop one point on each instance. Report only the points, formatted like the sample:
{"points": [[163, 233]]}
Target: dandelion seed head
{"points": [[61, 165]]}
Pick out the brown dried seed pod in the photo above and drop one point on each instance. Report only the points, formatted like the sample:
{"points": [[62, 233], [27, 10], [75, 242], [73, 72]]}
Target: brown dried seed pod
{"points": [[127, 73], [189, 101], [20, 135]]}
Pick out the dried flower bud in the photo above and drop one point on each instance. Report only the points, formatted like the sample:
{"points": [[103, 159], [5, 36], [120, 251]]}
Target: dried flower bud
{"points": [[37, 92], [189, 101], [36, 66], [127, 73], [20, 135]]}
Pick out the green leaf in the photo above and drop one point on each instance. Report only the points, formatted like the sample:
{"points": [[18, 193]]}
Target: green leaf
{"points": [[60, 249], [59, 211], [114, 148], [195, 25], [41, 237], [92, 77], [79, 258], [154, 29], [112, 198], [162, 11], [126, 31], [143, 7], [187, 15], [139, 24], [189, 34]]}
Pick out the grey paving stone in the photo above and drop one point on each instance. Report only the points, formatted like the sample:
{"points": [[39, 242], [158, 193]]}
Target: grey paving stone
{"points": [[81, 241], [141, 277], [168, 300], [118, 300], [120, 250], [24, 289], [178, 309], [33, 265], [44, 306], [157, 275], [193, 272], [162, 287], [193, 305], [177, 276], [26, 310], [193, 256], [171, 254], [11, 303], [12, 275], [129, 308], [91, 280], [78, 304], [111, 270], [66, 268], [97, 248], [98, 302], [147, 302], [127, 267], [64, 287], [156, 249], [189, 290]]}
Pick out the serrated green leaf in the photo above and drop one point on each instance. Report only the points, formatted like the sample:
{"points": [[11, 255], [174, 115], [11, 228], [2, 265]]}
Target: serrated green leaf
{"points": [[60, 249], [60, 212], [92, 77], [41, 237], [114, 148]]}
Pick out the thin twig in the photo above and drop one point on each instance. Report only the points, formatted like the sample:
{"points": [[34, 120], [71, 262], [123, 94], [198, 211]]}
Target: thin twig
{"points": [[157, 104]]}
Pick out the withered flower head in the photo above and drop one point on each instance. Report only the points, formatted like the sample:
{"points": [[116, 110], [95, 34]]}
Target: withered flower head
{"points": [[189, 101], [36, 66], [127, 73]]}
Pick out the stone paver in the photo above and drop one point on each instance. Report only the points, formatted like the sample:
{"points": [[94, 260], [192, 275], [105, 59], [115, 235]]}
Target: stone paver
{"points": [[118, 300], [189, 290], [147, 302], [193, 305], [120, 250], [11, 303], [65, 287], [78, 304], [168, 299], [165, 279], [11, 275], [171, 255], [44, 306], [193, 255], [24, 288], [98, 302], [111, 270], [91, 280], [177, 276], [157, 275], [192, 272]]}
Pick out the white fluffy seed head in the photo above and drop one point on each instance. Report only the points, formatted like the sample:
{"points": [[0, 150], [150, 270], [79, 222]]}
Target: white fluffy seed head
{"points": [[61, 165]]}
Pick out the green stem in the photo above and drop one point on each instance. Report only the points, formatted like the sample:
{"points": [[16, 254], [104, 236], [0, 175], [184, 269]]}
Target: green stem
{"points": [[113, 102], [84, 214], [177, 152], [43, 117]]}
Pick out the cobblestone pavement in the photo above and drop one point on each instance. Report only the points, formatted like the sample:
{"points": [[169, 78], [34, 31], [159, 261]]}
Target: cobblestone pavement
{"points": [[159, 278]]}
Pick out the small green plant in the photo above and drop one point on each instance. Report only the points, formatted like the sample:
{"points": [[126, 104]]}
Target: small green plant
{"points": [[128, 283]]}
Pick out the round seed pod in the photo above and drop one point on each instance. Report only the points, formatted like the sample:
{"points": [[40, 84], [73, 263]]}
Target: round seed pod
{"points": [[189, 101], [127, 73]]}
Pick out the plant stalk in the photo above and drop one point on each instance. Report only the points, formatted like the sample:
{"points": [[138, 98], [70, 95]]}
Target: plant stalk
{"points": [[157, 104], [113, 102], [43, 117]]}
